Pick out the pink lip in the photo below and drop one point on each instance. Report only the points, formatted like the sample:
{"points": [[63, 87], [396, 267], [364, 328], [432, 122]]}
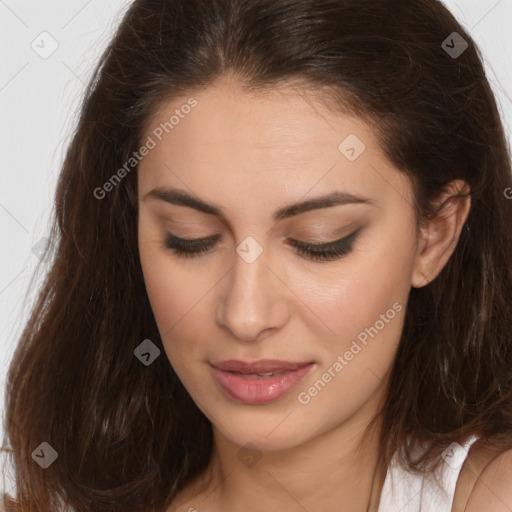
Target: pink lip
{"points": [[253, 390]]}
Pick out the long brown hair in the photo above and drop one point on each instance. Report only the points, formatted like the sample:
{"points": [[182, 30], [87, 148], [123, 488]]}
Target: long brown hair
{"points": [[128, 436]]}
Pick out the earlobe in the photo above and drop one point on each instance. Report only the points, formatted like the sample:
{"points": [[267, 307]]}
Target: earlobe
{"points": [[440, 237]]}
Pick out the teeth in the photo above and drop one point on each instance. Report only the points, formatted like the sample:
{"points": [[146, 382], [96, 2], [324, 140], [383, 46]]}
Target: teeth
{"points": [[257, 375]]}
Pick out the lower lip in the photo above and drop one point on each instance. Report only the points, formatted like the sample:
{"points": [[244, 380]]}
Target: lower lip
{"points": [[259, 390]]}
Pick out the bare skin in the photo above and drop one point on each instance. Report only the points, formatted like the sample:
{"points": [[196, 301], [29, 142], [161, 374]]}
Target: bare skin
{"points": [[251, 155]]}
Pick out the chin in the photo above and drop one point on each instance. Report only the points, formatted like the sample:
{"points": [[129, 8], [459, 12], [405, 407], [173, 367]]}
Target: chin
{"points": [[265, 430]]}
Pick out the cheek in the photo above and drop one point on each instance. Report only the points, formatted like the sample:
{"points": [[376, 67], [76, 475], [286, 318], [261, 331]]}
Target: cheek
{"points": [[172, 289], [361, 288], [365, 308], [173, 294], [179, 297]]}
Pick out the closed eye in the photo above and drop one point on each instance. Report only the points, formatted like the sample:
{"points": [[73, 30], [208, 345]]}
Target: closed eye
{"points": [[329, 251]]}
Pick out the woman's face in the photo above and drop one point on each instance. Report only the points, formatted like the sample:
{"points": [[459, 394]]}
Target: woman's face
{"points": [[253, 295]]}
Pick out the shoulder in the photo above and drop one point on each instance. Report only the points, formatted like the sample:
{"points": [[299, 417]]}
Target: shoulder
{"points": [[492, 491]]}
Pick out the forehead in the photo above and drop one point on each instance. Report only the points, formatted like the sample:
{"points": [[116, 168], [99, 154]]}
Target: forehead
{"points": [[269, 121], [272, 142]]}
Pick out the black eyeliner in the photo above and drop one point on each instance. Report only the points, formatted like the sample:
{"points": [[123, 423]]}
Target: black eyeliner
{"points": [[315, 252], [189, 246], [328, 251]]}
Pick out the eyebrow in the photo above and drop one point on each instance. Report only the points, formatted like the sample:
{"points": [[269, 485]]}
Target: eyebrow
{"points": [[182, 198]]}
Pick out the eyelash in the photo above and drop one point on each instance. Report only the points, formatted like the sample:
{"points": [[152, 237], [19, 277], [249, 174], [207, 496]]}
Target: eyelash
{"points": [[330, 251]]}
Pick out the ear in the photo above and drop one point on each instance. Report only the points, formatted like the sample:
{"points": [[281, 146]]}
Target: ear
{"points": [[439, 238]]}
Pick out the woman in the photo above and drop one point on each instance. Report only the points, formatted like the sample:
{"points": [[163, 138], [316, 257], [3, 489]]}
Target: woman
{"points": [[282, 278]]}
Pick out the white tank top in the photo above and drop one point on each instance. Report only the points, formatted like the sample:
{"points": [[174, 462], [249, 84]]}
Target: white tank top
{"points": [[406, 492]]}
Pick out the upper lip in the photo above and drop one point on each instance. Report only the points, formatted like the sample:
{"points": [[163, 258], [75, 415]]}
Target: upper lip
{"points": [[261, 366]]}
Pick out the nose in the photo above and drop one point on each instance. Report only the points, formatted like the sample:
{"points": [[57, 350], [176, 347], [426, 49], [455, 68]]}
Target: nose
{"points": [[253, 301]]}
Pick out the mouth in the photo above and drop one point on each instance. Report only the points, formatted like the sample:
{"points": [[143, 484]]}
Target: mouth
{"points": [[259, 382], [261, 367]]}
